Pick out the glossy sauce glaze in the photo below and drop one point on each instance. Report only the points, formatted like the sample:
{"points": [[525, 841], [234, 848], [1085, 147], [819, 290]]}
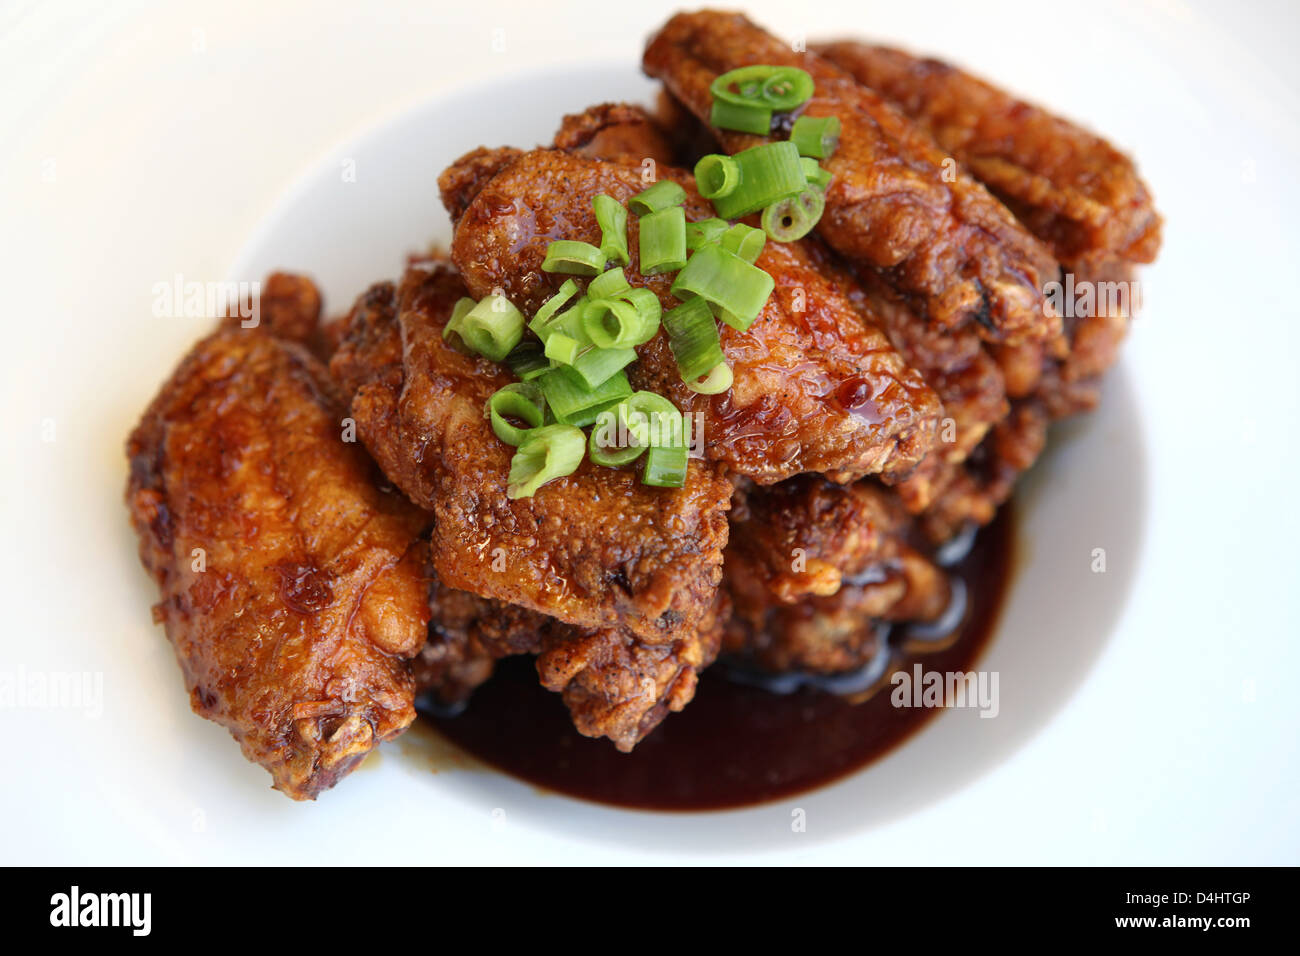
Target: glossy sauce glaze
{"points": [[736, 743]]}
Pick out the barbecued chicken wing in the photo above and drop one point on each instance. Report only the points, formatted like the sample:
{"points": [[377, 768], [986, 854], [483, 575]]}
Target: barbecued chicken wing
{"points": [[1069, 187], [817, 388], [896, 202], [595, 549], [292, 585]]}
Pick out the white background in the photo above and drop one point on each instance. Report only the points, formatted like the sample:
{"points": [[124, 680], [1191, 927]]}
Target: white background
{"points": [[151, 139]]}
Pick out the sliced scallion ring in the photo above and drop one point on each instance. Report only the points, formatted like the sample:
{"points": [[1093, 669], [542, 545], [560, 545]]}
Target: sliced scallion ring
{"points": [[794, 218], [518, 400], [769, 173], [662, 240], [735, 288], [573, 258], [717, 380], [660, 196], [693, 338], [745, 241], [549, 452], [611, 216], [491, 328], [603, 447], [741, 117], [608, 284], [704, 232], [816, 136], [717, 175]]}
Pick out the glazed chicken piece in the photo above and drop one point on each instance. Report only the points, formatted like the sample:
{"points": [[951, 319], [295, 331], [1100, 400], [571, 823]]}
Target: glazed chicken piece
{"points": [[817, 388], [812, 568], [594, 549], [617, 133], [614, 684], [1069, 187], [897, 203], [292, 586]]}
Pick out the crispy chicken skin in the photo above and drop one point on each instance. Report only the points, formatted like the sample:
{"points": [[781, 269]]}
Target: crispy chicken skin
{"points": [[817, 388], [896, 203], [615, 132], [1069, 187], [292, 585], [812, 567], [615, 684], [594, 549]]}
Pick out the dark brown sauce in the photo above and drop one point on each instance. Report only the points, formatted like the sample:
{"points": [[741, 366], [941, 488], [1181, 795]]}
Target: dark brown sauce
{"points": [[735, 744]]}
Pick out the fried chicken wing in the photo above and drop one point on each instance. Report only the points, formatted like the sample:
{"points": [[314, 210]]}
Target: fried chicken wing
{"points": [[817, 388], [617, 133], [896, 202], [595, 549], [292, 585], [1069, 187]]}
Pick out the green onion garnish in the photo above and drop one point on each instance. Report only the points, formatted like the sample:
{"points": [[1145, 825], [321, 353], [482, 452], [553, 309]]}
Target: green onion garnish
{"points": [[542, 322], [573, 402], [491, 328], [650, 419], [573, 258], [550, 452], [663, 239], [661, 195], [519, 400], [665, 467], [776, 87], [693, 338], [794, 218], [603, 447], [613, 324], [703, 232], [608, 285], [817, 176], [741, 117], [562, 348], [718, 380], [769, 173], [716, 176], [816, 136], [745, 241], [648, 311], [528, 361], [736, 289], [596, 365], [611, 216]]}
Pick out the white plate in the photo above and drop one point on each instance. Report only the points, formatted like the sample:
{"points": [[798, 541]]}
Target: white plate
{"points": [[1145, 712]]}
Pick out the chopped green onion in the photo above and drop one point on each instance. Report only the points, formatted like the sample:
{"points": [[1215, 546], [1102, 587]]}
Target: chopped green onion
{"points": [[693, 338], [603, 447], [662, 195], [562, 349], [573, 258], [491, 328], [769, 173], [650, 419], [527, 361], [663, 240], [596, 365], [776, 87], [816, 136], [550, 452], [458, 312], [745, 241], [613, 324], [817, 176], [703, 232], [787, 87], [741, 117], [665, 467], [648, 311], [519, 400], [794, 218], [573, 402], [718, 380], [541, 323], [735, 288], [608, 285], [611, 216], [717, 175]]}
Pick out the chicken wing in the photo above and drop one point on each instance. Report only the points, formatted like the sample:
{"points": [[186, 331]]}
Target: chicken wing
{"points": [[1069, 187], [292, 585], [896, 202], [594, 549], [816, 388]]}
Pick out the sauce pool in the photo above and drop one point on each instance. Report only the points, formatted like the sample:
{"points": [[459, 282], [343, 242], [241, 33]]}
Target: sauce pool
{"points": [[735, 744]]}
